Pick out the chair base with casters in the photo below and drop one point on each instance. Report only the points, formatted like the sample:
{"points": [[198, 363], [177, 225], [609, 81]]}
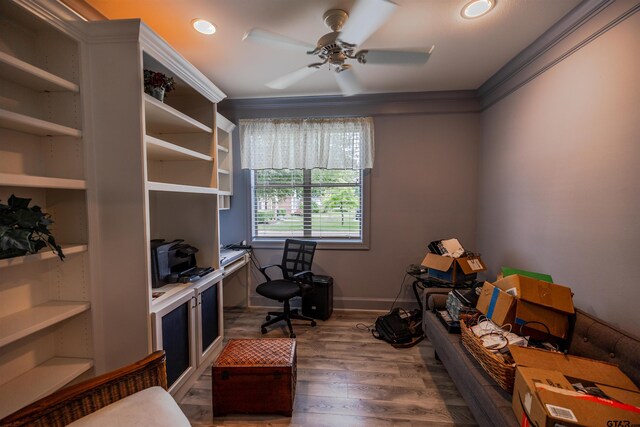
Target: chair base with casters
{"points": [[297, 280], [286, 315]]}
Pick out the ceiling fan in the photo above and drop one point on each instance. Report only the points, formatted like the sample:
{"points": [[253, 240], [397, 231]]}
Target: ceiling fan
{"points": [[339, 46]]}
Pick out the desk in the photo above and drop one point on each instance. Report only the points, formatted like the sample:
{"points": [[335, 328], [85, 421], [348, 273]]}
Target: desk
{"points": [[235, 279]]}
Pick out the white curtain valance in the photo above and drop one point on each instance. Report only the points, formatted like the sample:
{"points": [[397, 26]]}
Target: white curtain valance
{"points": [[338, 143]]}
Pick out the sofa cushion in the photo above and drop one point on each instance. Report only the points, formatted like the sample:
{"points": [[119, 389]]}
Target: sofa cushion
{"points": [[595, 339], [489, 404], [150, 407]]}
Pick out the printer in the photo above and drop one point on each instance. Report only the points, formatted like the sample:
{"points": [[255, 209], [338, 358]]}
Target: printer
{"points": [[174, 262]]}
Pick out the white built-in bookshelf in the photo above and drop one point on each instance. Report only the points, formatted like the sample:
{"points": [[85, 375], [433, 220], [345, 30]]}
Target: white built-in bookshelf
{"points": [[45, 310], [115, 168], [157, 178], [224, 145]]}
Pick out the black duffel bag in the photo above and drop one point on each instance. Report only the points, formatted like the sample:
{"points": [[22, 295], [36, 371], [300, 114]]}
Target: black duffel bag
{"points": [[399, 331]]}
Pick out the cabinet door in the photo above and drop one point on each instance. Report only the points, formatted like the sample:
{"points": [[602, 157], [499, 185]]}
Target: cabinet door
{"points": [[174, 332], [208, 318]]}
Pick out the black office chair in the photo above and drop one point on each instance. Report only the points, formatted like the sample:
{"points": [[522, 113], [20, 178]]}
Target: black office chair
{"points": [[297, 280]]}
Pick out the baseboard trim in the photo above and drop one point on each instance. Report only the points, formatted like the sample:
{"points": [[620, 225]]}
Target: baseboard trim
{"points": [[377, 304], [344, 303]]}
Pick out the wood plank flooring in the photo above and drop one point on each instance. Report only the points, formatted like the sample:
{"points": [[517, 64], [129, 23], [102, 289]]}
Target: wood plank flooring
{"points": [[345, 378]]}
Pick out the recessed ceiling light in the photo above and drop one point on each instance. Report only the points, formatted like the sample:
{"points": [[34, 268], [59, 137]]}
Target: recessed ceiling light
{"points": [[477, 8], [203, 26]]}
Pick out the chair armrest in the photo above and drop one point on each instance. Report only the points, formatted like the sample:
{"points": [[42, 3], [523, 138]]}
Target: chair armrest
{"points": [[304, 276], [69, 404], [263, 270]]}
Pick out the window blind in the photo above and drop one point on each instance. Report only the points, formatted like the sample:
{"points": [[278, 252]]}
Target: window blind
{"points": [[307, 203]]}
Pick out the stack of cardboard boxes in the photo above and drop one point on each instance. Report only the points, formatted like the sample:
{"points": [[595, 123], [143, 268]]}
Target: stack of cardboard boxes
{"points": [[528, 304], [553, 388]]}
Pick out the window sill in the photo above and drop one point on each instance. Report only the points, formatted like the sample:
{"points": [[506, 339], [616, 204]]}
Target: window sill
{"points": [[323, 244]]}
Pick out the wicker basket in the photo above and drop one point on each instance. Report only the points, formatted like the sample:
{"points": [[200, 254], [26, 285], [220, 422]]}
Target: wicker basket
{"points": [[504, 373]]}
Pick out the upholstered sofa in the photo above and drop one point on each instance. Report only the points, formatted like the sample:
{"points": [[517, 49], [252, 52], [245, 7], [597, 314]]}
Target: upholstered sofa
{"points": [[491, 406]]}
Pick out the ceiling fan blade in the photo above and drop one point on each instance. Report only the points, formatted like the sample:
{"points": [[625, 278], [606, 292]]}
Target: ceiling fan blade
{"points": [[395, 57], [267, 37], [348, 82], [291, 78], [365, 18]]}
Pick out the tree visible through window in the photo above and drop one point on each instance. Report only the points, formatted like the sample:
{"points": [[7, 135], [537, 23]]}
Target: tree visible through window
{"points": [[312, 203]]}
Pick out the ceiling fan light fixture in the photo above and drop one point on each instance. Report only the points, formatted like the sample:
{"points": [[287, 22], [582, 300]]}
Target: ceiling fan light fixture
{"points": [[203, 26], [477, 8], [339, 47]]}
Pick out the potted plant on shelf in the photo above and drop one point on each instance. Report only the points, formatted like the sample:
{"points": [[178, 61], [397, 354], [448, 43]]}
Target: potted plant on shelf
{"points": [[25, 229], [157, 84]]}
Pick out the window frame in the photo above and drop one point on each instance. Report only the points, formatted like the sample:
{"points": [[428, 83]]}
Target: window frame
{"points": [[323, 243]]}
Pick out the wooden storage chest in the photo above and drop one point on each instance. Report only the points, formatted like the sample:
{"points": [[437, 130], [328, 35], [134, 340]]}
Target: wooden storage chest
{"points": [[255, 376]]}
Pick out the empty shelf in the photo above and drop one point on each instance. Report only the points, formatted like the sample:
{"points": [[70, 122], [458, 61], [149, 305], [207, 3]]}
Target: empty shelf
{"points": [[40, 381], [162, 118], [26, 322], [27, 124], [179, 188], [25, 74], [157, 149], [18, 180]]}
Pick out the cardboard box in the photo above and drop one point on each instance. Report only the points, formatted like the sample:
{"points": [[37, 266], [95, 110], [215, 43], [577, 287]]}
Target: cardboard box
{"points": [[453, 270], [508, 271], [543, 393], [517, 300]]}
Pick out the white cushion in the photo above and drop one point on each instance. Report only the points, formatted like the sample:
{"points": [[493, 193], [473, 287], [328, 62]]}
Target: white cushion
{"points": [[149, 407]]}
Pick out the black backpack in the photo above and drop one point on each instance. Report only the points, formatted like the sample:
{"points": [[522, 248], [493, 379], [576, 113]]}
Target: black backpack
{"points": [[399, 331]]}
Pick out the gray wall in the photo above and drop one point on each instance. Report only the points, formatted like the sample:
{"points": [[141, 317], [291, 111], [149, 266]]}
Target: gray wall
{"points": [[422, 188], [555, 152], [560, 170]]}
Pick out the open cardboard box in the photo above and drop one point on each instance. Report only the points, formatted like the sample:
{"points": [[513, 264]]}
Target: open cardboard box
{"points": [[453, 270], [520, 300], [543, 394]]}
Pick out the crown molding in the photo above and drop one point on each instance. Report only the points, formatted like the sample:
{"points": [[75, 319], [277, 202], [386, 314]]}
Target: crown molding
{"points": [[84, 10], [120, 31], [445, 102], [223, 123], [130, 30], [56, 14], [579, 27], [158, 48], [134, 30]]}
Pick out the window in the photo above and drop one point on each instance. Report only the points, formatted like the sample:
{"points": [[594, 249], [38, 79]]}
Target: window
{"points": [[308, 177], [321, 204]]}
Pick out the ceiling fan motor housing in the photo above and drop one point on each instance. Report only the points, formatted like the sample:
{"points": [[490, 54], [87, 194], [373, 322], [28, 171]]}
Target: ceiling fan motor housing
{"points": [[331, 50], [334, 19]]}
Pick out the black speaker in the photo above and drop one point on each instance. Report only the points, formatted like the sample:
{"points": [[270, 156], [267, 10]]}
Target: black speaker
{"points": [[318, 303]]}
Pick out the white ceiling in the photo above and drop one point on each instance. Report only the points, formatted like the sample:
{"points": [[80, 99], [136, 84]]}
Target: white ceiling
{"points": [[467, 52]]}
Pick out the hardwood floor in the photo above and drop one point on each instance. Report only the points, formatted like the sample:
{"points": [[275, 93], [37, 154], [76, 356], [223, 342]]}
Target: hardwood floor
{"points": [[345, 378]]}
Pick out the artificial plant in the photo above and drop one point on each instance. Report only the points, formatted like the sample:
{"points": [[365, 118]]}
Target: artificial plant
{"points": [[154, 79], [25, 229]]}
